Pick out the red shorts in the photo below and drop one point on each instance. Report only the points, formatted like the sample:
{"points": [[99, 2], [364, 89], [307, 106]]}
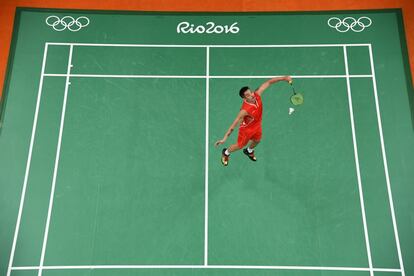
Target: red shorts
{"points": [[247, 134]]}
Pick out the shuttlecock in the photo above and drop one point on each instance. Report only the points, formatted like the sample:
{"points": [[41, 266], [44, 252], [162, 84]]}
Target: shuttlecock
{"points": [[291, 110]]}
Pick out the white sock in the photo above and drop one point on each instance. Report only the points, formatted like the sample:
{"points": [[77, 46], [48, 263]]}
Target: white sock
{"points": [[249, 150], [227, 152]]}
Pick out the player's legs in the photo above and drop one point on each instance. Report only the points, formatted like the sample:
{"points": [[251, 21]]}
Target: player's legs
{"points": [[249, 151], [255, 138], [233, 148], [253, 144], [242, 140]]}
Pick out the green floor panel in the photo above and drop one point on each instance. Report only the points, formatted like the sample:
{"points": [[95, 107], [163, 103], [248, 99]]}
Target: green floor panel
{"points": [[24, 273], [377, 205], [277, 61], [139, 61], [358, 60], [117, 191], [40, 177], [57, 59], [294, 199]]}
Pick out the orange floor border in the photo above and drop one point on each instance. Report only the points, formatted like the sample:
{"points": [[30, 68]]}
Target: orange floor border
{"points": [[8, 7]]}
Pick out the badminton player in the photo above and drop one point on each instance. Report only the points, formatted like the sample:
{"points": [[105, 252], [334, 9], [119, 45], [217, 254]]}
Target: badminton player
{"points": [[250, 120]]}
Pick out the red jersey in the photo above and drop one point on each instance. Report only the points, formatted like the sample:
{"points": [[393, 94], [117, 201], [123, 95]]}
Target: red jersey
{"points": [[254, 119]]}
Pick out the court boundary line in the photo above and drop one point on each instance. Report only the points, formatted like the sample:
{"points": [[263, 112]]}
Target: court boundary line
{"points": [[357, 167], [206, 157], [68, 75], [207, 45], [28, 162], [203, 77], [241, 267], [385, 162], [55, 170]]}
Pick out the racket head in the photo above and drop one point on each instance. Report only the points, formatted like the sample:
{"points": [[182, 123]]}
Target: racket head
{"points": [[297, 99]]}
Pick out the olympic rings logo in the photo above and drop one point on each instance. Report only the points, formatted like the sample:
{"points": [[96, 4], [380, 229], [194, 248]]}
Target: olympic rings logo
{"points": [[350, 23], [67, 22]]}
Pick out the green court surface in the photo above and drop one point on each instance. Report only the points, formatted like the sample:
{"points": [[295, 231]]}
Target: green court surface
{"points": [[108, 164]]}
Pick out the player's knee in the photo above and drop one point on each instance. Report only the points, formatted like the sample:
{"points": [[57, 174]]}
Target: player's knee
{"points": [[241, 145], [256, 141]]}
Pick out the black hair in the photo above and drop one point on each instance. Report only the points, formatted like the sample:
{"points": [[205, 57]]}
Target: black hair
{"points": [[242, 90]]}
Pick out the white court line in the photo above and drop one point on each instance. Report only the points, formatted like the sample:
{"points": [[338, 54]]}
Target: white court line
{"points": [[293, 76], [125, 76], [361, 195], [52, 193], [28, 163], [384, 158], [206, 158], [230, 267], [207, 45], [203, 77]]}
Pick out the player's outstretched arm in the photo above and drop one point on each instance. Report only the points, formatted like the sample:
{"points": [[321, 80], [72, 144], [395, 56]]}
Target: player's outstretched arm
{"points": [[267, 83], [237, 121]]}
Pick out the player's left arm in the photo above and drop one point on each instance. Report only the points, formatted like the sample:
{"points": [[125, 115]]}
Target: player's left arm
{"points": [[267, 83]]}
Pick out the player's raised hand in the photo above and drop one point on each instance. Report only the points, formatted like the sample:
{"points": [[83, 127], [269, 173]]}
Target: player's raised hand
{"points": [[219, 142]]}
